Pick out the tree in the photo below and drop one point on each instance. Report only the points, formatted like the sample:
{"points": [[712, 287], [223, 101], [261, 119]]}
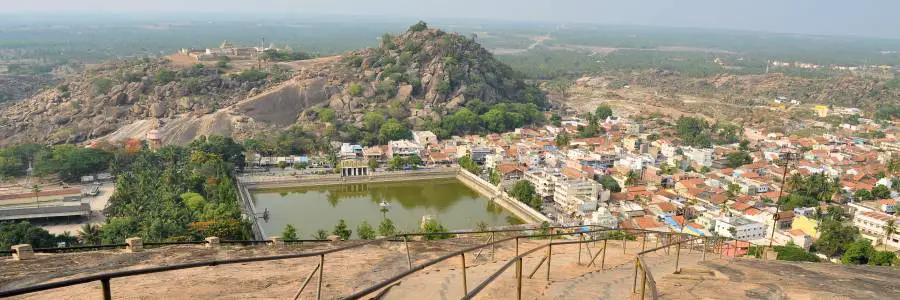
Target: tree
{"points": [[881, 192], [365, 231], [289, 232], [373, 164], [89, 234], [342, 230], [556, 120], [610, 183], [396, 163], [793, 253], [525, 192], [467, 163], [834, 237], [889, 230], [882, 258], [37, 191], [632, 177], [858, 253], [419, 26], [494, 177], [737, 159], [26, 233], [603, 111], [733, 191], [373, 120], [386, 227], [393, 130], [863, 195], [563, 139]]}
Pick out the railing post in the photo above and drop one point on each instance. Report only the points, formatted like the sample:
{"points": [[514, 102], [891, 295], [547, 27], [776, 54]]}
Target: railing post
{"points": [[603, 260], [705, 244], [492, 246], [519, 279], [624, 241], [549, 254], [644, 242], [677, 255], [637, 265], [643, 284], [321, 272], [581, 238], [517, 246], [462, 257], [107, 291], [408, 258]]}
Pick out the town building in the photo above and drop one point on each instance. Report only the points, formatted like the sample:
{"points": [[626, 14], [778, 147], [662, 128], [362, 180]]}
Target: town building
{"points": [[744, 229], [570, 194], [403, 148], [872, 226], [424, 138]]}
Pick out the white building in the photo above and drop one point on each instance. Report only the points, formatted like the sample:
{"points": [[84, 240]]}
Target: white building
{"points": [[570, 194], [602, 217], [544, 182], [403, 148], [423, 138], [744, 229], [871, 226], [702, 157]]}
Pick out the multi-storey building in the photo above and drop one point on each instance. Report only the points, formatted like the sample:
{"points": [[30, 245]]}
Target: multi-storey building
{"points": [[743, 229], [570, 194], [872, 225]]}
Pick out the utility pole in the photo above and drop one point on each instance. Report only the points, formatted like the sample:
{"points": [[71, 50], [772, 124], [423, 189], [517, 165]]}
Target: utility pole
{"points": [[784, 161]]}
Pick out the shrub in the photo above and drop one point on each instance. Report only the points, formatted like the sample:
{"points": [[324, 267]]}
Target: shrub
{"points": [[356, 90], [320, 234], [365, 231], [433, 226], [386, 227], [101, 85], [420, 26], [289, 232], [342, 230]]}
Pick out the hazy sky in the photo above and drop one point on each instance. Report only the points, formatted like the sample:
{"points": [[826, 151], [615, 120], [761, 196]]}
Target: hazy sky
{"points": [[832, 17]]}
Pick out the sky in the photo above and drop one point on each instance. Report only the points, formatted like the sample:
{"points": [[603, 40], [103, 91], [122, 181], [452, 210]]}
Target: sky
{"points": [[872, 18]]}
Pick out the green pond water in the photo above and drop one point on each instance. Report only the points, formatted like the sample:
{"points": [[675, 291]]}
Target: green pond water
{"points": [[320, 207]]}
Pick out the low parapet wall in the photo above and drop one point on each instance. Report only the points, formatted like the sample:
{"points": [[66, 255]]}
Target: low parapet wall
{"points": [[524, 212]]}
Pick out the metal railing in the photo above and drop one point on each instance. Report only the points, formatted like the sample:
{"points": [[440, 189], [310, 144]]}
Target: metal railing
{"points": [[585, 234], [104, 278]]}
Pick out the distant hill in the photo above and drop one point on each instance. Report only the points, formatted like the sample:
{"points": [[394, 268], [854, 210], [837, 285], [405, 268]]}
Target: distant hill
{"points": [[415, 77]]}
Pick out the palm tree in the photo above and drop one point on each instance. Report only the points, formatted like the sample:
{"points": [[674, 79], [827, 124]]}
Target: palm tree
{"points": [[89, 234], [889, 230]]}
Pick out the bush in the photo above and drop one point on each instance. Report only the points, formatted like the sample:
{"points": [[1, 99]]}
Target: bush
{"points": [[433, 226], [289, 232], [365, 231], [386, 227], [794, 253], [320, 234], [420, 26], [342, 230], [355, 89], [101, 86], [164, 76]]}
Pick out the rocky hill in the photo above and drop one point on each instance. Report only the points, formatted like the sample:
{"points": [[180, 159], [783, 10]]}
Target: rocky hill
{"points": [[420, 75]]}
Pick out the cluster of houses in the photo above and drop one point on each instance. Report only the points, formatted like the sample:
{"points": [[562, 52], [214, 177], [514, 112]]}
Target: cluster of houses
{"points": [[660, 184]]}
